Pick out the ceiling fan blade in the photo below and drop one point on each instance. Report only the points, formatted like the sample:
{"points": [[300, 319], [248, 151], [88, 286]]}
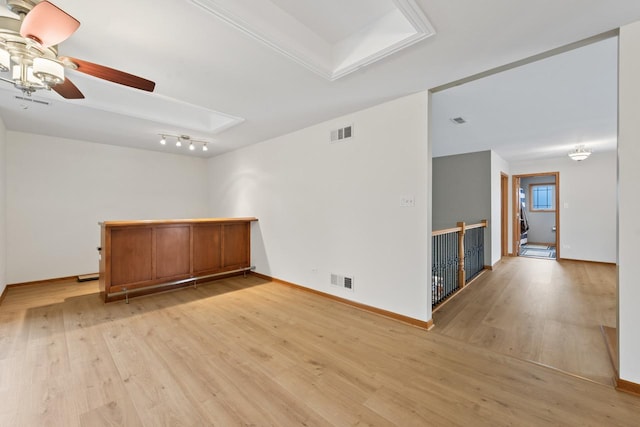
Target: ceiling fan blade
{"points": [[68, 90], [48, 24], [113, 75]]}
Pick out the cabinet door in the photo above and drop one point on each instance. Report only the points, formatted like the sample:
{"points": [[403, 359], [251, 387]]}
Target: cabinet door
{"points": [[235, 245], [173, 251], [207, 249], [131, 257]]}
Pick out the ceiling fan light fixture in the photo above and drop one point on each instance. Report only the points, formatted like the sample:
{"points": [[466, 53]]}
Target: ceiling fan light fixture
{"points": [[47, 24], [25, 79], [580, 153], [31, 78], [5, 60], [192, 147], [163, 141], [30, 53], [48, 71], [179, 142], [204, 147]]}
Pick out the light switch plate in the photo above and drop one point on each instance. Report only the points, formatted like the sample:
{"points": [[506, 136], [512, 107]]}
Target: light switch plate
{"points": [[407, 201]]}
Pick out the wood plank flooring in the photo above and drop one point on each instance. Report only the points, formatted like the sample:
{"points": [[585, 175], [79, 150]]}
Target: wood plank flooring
{"points": [[539, 310], [251, 352]]}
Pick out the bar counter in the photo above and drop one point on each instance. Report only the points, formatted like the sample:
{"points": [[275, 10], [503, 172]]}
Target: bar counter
{"points": [[146, 256]]}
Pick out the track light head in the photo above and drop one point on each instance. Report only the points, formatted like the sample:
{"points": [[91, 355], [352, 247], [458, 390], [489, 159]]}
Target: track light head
{"points": [[180, 139]]}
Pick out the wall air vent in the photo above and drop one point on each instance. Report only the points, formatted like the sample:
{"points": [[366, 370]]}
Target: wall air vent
{"points": [[458, 120], [341, 281], [29, 99], [342, 133]]}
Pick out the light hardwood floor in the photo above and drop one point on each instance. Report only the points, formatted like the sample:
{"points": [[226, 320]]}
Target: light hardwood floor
{"points": [[539, 310], [251, 352]]}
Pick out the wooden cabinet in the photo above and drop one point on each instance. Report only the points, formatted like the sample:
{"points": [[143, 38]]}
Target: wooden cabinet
{"points": [[207, 244], [145, 256]]}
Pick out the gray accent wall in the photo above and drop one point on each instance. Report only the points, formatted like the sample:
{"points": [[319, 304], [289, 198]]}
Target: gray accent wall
{"points": [[462, 192]]}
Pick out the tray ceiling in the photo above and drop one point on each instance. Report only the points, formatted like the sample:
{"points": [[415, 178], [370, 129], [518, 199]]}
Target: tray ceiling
{"points": [[332, 38]]}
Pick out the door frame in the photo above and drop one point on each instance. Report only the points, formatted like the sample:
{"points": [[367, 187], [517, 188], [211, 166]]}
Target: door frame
{"points": [[504, 214], [515, 180]]}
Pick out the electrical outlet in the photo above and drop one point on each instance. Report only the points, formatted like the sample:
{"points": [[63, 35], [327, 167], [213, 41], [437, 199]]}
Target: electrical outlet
{"points": [[407, 201]]}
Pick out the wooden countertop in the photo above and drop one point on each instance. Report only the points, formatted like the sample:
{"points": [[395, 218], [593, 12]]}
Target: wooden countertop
{"points": [[174, 221]]}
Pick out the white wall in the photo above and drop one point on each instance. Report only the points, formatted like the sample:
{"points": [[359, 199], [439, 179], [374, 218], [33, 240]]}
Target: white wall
{"points": [[587, 204], [629, 202], [3, 210], [58, 190], [498, 166], [326, 208]]}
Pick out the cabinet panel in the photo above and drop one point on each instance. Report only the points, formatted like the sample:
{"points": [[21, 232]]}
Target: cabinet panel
{"points": [[207, 255], [172, 251], [141, 257], [235, 245], [131, 255]]}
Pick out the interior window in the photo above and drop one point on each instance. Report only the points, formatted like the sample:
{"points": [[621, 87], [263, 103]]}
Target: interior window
{"points": [[543, 197]]}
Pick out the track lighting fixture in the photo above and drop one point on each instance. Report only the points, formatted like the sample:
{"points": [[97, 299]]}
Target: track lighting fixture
{"points": [[183, 138]]}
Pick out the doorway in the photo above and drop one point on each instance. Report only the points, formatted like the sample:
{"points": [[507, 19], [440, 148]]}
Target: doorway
{"points": [[536, 199]]}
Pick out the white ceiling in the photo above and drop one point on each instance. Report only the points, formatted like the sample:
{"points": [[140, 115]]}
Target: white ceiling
{"points": [[540, 110], [203, 65], [334, 20], [374, 35]]}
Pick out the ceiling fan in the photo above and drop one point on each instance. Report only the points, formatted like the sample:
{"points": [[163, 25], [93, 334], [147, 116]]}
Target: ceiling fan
{"points": [[29, 51]]}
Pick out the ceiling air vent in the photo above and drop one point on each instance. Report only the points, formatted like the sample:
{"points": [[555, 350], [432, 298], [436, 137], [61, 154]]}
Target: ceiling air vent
{"points": [[342, 133], [458, 120]]}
